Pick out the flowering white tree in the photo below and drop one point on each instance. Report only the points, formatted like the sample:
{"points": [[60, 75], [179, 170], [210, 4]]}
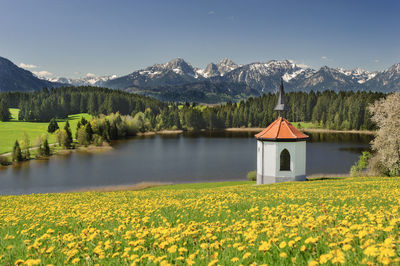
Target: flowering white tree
{"points": [[386, 115]]}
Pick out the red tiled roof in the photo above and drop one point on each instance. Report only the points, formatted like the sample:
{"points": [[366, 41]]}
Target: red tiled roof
{"points": [[281, 129]]}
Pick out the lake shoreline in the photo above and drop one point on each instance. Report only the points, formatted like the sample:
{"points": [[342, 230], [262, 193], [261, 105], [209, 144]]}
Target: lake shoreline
{"points": [[152, 184], [88, 149], [112, 188], [311, 130]]}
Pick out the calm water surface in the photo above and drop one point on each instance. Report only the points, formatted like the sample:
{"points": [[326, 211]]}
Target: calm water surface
{"points": [[189, 157]]}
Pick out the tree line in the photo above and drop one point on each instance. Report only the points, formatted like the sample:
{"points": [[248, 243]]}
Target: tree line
{"points": [[327, 109], [43, 105]]}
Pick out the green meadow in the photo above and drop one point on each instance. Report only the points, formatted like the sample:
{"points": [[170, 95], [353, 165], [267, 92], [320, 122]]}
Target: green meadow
{"points": [[14, 130], [350, 221]]}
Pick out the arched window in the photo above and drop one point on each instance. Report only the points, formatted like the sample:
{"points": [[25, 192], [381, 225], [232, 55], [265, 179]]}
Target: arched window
{"points": [[285, 160]]}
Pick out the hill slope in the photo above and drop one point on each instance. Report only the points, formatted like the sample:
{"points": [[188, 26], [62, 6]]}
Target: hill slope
{"points": [[14, 78]]}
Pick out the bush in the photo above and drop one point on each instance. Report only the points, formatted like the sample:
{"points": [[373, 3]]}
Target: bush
{"points": [[44, 148], [252, 176], [82, 136], [98, 140], [4, 160], [361, 165]]}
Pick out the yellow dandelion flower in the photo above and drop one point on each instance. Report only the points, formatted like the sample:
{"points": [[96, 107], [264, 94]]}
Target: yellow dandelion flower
{"points": [[189, 261], [385, 261], [246, 255], [213, 262], [265, 246], [235, 259], [164, 263], [371, 251], [172, 249], [346, 247], [30, 262], [19, 262], [386, 252], [324, 258]]}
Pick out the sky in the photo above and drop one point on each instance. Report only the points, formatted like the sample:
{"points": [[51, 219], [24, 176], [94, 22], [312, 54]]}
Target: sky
{"points": [[73, 38]]}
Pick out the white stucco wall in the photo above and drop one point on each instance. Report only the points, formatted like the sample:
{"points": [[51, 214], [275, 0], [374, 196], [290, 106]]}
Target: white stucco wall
{"points": [[268, 161]]}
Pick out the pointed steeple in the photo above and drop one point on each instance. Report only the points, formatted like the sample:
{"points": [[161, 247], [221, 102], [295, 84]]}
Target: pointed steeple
{"points": [[280, 106]]}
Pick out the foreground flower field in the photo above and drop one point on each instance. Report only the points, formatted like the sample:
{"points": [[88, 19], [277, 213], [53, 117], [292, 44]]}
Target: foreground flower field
{"points": [[344, 221]]}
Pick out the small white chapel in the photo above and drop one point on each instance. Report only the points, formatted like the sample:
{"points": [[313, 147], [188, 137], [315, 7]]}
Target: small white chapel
{"points": [[281, 149]]}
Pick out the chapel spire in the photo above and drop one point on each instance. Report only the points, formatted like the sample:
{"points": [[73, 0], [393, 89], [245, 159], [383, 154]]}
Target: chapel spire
{"points": [[280, 105]]}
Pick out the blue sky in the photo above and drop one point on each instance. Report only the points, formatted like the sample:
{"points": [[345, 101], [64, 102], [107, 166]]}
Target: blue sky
{"points": [[75, 37]]}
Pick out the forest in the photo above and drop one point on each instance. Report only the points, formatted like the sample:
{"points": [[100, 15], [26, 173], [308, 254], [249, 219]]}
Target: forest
{"points": [[328, 109]]}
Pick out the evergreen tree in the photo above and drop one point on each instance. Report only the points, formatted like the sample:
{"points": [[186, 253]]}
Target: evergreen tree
{"points": [[5, 114], [25, 144], [68, 140], [89, 132], [53, 126], [46, 148], [16, 153]]}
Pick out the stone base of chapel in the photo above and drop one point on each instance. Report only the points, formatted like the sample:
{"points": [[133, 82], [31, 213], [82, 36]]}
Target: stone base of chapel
{"points": [[261, 180]]}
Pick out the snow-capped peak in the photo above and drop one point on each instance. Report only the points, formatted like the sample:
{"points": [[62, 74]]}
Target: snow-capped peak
{"points": [[360, 75], [89, 79]]}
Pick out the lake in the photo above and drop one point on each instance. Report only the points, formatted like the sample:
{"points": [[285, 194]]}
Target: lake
{"points": [[188, 157]]}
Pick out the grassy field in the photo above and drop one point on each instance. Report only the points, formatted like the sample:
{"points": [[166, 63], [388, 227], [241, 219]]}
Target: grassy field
{"points": [[14, 130], [304, 125], [340, 221]]}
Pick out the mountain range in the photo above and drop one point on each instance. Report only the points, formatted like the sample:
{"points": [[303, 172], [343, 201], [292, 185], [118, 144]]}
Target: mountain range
{"points": [[14, 78], [179, 81]]}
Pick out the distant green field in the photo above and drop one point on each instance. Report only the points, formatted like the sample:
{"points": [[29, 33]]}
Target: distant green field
{"points": [[200, 107], [304, 124], [14, 130]]}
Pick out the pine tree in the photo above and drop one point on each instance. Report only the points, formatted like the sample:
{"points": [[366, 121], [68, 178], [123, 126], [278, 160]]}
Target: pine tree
{"points": [[46, 148], [25, 144], [68, 140], [53, 126], [16, 153], [5, 114], [89, 132]]}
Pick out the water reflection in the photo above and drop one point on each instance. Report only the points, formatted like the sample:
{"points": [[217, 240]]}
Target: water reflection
{"points": [[340, 137]]}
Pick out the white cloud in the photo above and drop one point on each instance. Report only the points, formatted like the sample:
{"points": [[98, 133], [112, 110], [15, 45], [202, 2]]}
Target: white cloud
{"points": [[91, 75], [324, 58], [211, 12], [28, 66], [303, 65], [376, 60], [42, 74]]}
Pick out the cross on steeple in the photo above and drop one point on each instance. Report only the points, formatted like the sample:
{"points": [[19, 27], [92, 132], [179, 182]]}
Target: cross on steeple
{"points": [[280, 106]]}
